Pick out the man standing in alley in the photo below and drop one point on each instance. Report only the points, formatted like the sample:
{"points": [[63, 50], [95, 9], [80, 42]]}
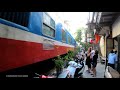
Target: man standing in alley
{"points": [[116, 56], [112, 59], [115, 51]]}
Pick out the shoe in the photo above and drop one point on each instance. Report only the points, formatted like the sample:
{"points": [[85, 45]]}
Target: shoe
{"points": [[91, 73]]}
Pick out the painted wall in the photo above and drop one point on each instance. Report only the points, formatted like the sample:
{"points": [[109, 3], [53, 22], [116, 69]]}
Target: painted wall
{"points": [[116, 29], [103, 46], [115, 45]]}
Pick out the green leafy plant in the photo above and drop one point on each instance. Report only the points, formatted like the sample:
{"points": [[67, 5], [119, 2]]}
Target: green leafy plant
{"points": [[59, 62], [66, 57], [66, 60], [70, 55]]}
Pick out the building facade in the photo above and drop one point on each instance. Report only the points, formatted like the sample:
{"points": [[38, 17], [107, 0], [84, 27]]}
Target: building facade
{"points": [[107, 25]]}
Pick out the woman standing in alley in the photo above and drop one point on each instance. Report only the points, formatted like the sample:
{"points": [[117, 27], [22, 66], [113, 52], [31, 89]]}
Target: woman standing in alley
{"points": [[88, 59], [94, 63]]}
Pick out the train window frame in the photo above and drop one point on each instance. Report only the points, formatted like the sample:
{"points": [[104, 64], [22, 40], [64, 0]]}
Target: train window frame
{"points": [[70, 39], [49, 26], [62, 35], [49, 29]]}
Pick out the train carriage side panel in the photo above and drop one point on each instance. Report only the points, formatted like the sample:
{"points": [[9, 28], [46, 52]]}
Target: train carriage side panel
{"points": [[61, 47], [69, 39], [35, 23], [19, 45], [23, 44], [58, 32], [12, 34]]}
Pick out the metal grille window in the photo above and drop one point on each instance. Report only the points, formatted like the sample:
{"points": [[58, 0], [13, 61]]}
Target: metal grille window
{"points": [[20, 18]]}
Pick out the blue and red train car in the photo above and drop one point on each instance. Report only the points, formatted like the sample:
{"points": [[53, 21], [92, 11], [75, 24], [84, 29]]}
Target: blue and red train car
{"points": [[31, 37]]}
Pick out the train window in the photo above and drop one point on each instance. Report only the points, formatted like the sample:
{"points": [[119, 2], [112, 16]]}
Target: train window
{"points": [[48, 25], [48, 31], [48, 21], [63, 36], [52, 23], [69, 40], [21, 18]]}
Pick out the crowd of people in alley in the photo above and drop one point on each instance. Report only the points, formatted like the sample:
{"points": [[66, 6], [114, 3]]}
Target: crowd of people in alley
{"points": [[92, 57], [89, 58]]}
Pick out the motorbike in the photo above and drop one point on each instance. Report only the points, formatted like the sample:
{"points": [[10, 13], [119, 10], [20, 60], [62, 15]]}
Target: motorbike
{"points": [[42, 76], [79, 69], [74, 70]]}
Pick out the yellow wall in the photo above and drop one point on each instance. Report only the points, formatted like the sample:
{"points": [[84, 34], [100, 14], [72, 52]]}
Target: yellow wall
{"points": [[115, 45], [103, 46]]}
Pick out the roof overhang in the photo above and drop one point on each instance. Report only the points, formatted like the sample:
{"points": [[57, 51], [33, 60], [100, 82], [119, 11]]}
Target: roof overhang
{"points": [[101, 20]]}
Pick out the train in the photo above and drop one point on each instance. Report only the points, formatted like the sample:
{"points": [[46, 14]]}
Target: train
{"points": [[30, 37]]}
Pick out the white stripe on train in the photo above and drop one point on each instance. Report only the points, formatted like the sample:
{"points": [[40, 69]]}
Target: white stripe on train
{"points": [[17, 34]]}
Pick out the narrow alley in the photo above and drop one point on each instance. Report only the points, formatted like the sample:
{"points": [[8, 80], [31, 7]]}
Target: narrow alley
{"points": [[54, 45], [100, 69]]}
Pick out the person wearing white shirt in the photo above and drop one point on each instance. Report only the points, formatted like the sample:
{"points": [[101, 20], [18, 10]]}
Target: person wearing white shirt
{"points": [[92, 53]]}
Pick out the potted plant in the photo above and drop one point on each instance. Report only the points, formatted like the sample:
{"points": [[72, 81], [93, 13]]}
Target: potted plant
{"points": [[59, 64]]}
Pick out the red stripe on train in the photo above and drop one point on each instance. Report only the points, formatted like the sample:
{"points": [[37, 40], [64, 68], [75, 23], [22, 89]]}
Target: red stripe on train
{"points": [[16, 53]]}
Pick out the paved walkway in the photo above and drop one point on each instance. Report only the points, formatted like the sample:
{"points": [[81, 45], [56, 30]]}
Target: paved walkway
{"points": [[100, 71]]}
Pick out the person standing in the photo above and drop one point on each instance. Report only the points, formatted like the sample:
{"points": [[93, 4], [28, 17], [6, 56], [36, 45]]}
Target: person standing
{"points": [[94, 63], [116, 57], [92, 52], [111, 59], [88, 59]]}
